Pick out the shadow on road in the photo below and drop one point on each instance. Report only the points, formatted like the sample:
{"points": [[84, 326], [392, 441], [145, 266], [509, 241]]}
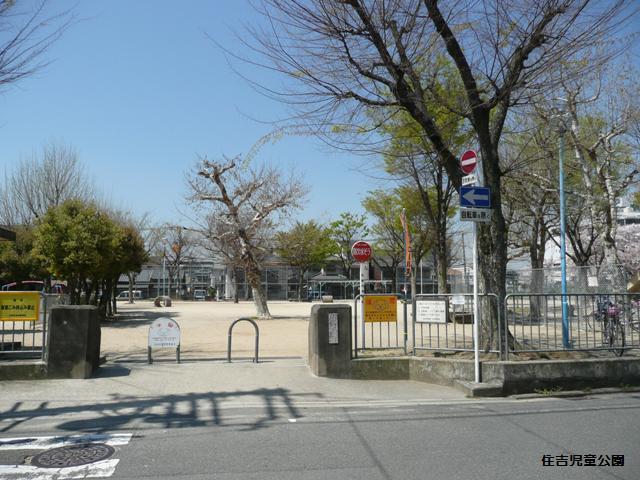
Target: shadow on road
{"points": [[167, 411]]}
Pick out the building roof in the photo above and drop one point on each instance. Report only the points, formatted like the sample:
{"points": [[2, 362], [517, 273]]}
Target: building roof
{"points": [[6, 234]]}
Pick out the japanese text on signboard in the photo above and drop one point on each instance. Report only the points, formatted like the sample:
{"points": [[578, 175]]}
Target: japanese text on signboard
{"points": [[19, 306], [382, 308]]}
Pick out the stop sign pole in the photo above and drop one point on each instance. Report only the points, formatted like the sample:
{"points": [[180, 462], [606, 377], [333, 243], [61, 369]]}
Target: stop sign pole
{"points": [[468, 163], [361, 252]]}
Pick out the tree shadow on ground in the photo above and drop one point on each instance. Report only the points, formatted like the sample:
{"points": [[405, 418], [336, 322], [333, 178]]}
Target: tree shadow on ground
{"points": [[136, 319], [259, 407]]}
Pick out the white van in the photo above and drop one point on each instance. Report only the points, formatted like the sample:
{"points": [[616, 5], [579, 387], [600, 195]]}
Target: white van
{"points": [[137, 295], [199, 294]]}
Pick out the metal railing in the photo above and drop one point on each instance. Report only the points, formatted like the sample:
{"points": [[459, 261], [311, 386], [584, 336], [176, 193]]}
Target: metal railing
{"points": [[455, 333], [28, 340], [380, 335], [535, 321]]}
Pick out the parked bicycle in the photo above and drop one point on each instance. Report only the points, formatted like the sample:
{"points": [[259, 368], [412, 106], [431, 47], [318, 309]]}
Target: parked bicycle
{"points": [[609, 316]]}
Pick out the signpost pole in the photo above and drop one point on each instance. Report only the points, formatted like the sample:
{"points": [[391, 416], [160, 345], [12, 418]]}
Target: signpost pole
{"points": [[361, 252], [360, 304], [475, 203], [476, 316]]}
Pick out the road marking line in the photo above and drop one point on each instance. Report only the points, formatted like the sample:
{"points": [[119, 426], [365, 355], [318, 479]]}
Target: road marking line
{"points": [[104, 468], [39, 443]]}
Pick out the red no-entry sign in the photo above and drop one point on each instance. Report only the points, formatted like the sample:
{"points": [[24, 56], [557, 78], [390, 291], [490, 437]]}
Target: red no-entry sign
{"points": [[468, 161], [361, 251]]}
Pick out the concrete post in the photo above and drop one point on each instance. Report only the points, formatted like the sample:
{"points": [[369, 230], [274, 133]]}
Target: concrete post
{"points": [[330, 341], [73, 346]]}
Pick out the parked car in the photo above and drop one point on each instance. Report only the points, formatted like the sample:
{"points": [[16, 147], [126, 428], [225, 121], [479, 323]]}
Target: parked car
{"points": [[199, 294], [137, 295]]}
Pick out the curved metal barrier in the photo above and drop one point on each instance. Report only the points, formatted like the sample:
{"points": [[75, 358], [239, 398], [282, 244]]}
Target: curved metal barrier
{"points": [[231, 331]]}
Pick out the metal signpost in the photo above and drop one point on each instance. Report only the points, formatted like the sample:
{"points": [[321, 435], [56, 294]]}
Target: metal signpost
{"points": [[475, 206], [361, 252]]}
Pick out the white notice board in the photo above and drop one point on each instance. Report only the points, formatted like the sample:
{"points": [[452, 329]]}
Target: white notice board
{"points": [[164, 332], [431, 311]]}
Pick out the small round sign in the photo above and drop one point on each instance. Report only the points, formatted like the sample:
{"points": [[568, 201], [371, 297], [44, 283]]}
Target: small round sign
{"points": [[468, 161], [361, 251]]}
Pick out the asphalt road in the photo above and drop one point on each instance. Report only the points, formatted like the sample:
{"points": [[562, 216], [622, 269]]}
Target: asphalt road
{"points": [[274, 438]]}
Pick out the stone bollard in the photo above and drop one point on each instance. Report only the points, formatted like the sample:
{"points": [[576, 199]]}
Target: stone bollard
{"points": [[73, 345], [330, 341]]}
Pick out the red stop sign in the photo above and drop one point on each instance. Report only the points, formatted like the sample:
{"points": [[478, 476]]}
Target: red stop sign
{"points": [[468, 161], [361, 251]]}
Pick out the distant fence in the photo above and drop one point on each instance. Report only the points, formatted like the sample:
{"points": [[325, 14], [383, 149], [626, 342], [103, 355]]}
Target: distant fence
{"points": [[591, 279], [548, 280]]}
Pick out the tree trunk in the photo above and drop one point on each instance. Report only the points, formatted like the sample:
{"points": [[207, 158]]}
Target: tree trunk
{"points": [[492, 256], [300, 284], [443, 263], [112, 295], [130, 275], [537, 244], [235, 286], [87, 291], [254, 277]]}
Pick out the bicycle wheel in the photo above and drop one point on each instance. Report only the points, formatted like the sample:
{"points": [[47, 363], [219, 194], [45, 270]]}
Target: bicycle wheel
{"points": [[615, 338]]}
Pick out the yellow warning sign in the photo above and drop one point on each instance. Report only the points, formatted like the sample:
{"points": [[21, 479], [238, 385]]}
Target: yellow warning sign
{"points": [[380, 308], [19, 306]]}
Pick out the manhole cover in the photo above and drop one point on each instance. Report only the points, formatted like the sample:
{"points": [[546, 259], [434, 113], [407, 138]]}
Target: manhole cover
{"points": [[73, 455]]}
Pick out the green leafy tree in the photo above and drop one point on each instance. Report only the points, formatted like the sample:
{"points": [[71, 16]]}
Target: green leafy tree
{"points": [[17, 259], [344, 232], [75, 242], [386, 208], [388, 243], [129, 253], [306, 245]]}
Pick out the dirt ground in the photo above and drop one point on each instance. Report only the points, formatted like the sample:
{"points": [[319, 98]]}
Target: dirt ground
{"points": [[204, 330]]}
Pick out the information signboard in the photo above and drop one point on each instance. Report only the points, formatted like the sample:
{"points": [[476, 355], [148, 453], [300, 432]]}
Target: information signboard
{"points": [[164, 332], [380, 308], [19, 306], [431, 311]]}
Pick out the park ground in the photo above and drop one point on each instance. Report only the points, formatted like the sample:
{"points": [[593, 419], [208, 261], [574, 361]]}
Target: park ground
{"points": [[204, 330]]}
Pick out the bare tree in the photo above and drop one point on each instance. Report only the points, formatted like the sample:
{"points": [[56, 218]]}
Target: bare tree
{"points": [[245, 199], [43, 181], [344, 57], [603, 124], [25, 35], [176, 244], [218, 237]]}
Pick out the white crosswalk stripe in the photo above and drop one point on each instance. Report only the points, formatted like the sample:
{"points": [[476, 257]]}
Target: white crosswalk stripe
{"points": [[99, 469], [102, 469]]}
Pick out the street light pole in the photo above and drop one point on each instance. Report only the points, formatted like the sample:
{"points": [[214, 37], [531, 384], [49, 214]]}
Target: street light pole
{"points": [[563, 260]]}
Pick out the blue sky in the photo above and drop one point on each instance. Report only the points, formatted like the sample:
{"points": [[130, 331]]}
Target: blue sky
{"points": [[141, 92]]}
